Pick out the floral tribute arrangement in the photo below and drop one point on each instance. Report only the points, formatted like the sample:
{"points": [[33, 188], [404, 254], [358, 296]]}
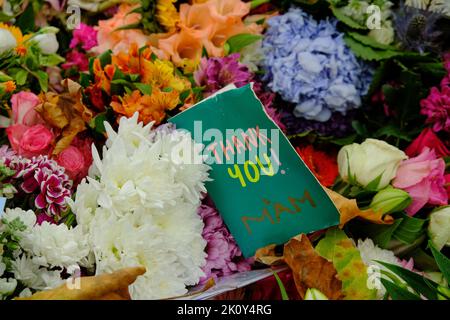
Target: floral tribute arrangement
{"points": [[88, 184]]}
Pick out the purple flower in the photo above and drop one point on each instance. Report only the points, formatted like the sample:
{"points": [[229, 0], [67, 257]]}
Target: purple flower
{"points": [[417, 29], [216, 73], [437, 108], [223, 255], [84, 35], [338, 126]]}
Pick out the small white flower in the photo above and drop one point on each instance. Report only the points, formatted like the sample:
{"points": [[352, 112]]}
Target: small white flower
{"points": [[55, 245]]}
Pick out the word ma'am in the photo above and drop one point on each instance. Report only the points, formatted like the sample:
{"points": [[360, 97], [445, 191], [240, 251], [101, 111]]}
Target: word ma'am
{"points": [[278, 210]]}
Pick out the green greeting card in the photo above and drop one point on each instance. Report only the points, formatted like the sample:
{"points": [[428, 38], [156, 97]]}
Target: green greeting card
{"points": [[261, 187]]}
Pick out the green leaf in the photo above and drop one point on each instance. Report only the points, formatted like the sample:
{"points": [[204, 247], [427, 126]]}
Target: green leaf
{"points": [[122, 82], [4, 17], [410, 229], [144, 88], [367, 53], [416, 282], [20, 76], [97, 123], [378, 77], [373, 185], [85, 80], [129, 27], [385, 233], [43, 80], [26, 20], [284, 295], [398, 293], [105, 58], [392, 131], [360, 128], [352, 271], [368, 41], [184, 95], [238, 42], [341, 16], [344, 141], [134, 77], [442, 261], [51, 60]]}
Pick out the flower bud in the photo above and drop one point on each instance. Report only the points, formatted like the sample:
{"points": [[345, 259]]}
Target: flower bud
{"points": [[390, 200], [439, 227], [47, 42], [314, 294]]}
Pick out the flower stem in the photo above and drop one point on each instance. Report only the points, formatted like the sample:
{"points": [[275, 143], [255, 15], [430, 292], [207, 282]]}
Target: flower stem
{"points": [[256, 3]]}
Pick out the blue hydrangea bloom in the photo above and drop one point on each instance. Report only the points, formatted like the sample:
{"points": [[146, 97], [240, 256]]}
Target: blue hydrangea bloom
{"points": [[308, 63]]}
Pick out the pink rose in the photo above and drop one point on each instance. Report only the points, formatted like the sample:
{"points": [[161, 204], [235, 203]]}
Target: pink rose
{"points": [[423, 178], [36, 140], [23, 104], [72, 160], [15, 133]]}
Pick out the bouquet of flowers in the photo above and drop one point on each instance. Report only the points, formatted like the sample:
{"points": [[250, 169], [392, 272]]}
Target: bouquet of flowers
{"points": [[88, 172]]}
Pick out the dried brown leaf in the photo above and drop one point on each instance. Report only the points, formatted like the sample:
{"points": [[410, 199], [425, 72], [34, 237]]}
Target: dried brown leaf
{"points": [[65, 113], [348, 209], [310, 270], [107, 286], [268, 256]]}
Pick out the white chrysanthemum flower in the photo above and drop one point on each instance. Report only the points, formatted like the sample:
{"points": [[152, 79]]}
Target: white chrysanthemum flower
{"points": [[140, 208], [54, 245], [27, 272], [371, 253], [28, 218]]}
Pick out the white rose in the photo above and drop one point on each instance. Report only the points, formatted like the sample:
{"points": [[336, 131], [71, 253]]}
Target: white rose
{"points": [[439, 227], [47, 42], [7, 41], [370, 160]]}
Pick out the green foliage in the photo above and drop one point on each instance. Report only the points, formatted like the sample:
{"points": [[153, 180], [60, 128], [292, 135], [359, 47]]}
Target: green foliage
{"points": [[442, 261], [240, 41], [284, 295], [403, 81], [338, 13], [338, 248]]}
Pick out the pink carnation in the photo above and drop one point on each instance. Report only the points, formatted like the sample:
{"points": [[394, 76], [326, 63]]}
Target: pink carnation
{"points": [[423, 178], [84, 35], [437, 105], [223, 255], [45, 180], [77, 60], [437, 108]]}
